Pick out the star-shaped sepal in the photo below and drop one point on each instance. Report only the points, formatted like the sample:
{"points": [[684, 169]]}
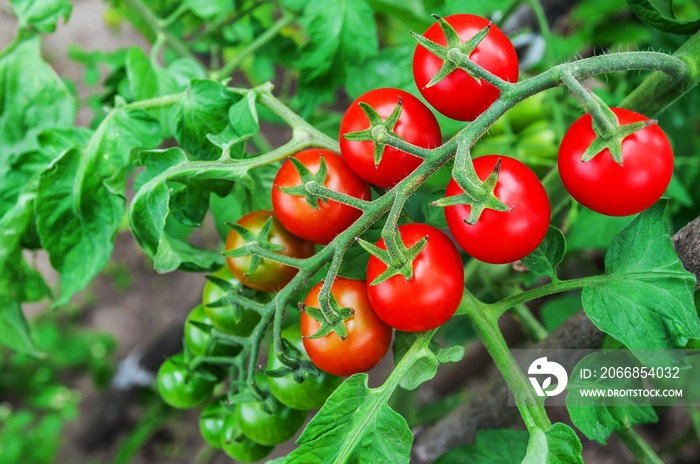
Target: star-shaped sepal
{"points": [[398, 261], [306, 177], [477, 193], [331, 320], [453, 43], [378, 129], [251, 239]]}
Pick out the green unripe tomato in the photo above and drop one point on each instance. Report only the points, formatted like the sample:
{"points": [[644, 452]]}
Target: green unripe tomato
{"points": [[309, 394], [197, 339], [239, 447], [211, 422], [179, 389], [225, 318], [269, 429]]}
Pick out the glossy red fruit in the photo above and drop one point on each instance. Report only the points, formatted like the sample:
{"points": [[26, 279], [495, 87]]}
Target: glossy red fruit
{"points": [[416, 125], [460, 96], [434, 292], [331, 218], [603, 185], [502, 236]]}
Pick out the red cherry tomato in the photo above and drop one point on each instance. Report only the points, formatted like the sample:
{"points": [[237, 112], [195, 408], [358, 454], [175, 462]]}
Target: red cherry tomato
{"points": [[368, 337], [459, 96], [434, 292], [603, 185], [331, 218], [269, 276], [502, 236], [416, 125]]}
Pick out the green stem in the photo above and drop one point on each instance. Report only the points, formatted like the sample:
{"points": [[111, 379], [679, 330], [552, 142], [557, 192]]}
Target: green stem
{"points": [[639, 447], [486, 325], [497, 309], [252, 47], [158, 27], [589, 103], [666, 89], [317, 189], [532, 326]]}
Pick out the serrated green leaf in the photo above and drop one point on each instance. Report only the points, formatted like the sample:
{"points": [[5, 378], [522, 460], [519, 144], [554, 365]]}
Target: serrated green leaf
{"points": [[80, 200], [156, 199], [243, 118], [598, 417], [41, 15], [593, 230], [33, 98], [558, 445], [497, 446], [649, 12], [545, 259], [341, 33], [203, 110], [647, 301], [354, 425]]}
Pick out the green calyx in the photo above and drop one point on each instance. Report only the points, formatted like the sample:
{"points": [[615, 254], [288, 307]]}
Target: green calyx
{"points": [[453, 43], [293, 364], [331, 316], [306, 177], [378, 129], [477, 193], [398, 258], [252, 240], [610, 134]]}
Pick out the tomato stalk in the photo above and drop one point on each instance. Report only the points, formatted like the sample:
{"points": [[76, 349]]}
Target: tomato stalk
{"points": [[485, 322]]}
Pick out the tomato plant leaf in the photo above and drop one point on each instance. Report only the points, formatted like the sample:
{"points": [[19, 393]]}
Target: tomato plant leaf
{"points": [[424, 366], [16, 277], [152, 205], [80, 201], [593, 230], [598, 417], [660, 16], [203, 110], [33, 98], [340, 33], [497, 446], [147, 79], [210, 8], [243, 118], [354, 425], [558, 445], [647, 301], [41, 16], [547, 256]]}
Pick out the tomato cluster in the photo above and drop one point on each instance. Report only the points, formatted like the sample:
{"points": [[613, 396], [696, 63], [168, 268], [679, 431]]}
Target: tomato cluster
{"points": [[318, 194]]}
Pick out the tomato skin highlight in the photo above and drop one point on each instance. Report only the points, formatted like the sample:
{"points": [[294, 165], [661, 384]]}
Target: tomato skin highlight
{"points": [[434, 292], [323, 224], [416, 125], [500, 237], [368, 337], [177, 388], [603, 185], [307, 395], [269, 276], [459, 96]]}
